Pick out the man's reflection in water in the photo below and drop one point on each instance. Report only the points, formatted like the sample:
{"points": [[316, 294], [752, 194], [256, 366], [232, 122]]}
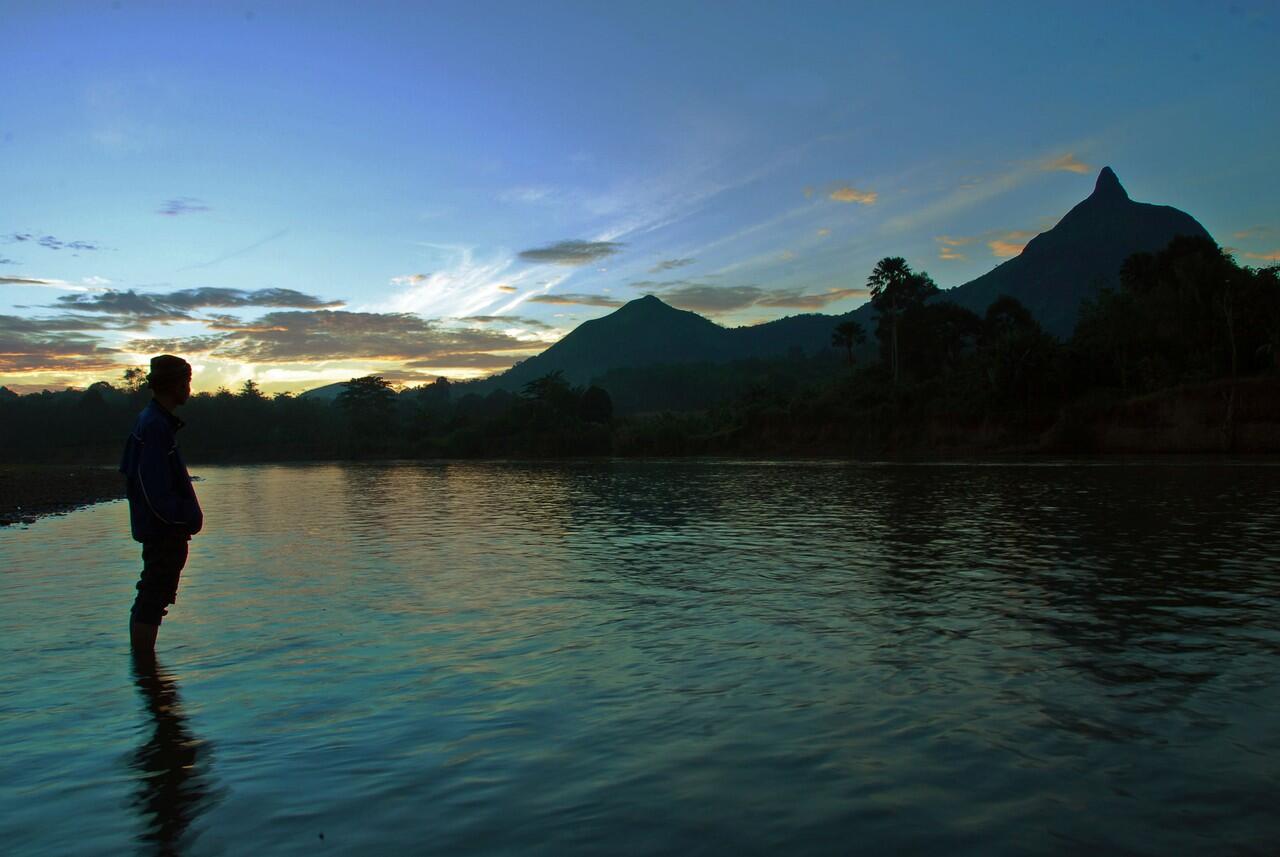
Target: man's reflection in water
{"points": [[171, 766]]}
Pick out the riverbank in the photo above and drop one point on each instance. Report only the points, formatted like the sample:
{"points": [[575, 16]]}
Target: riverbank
{"points": [[29, 491]]}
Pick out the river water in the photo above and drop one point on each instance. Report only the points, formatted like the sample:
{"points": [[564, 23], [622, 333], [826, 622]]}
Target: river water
{"points": [[692, 657]]}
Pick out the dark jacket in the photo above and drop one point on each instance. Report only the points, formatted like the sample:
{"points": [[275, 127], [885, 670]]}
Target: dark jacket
{"points": [[162, 503]]}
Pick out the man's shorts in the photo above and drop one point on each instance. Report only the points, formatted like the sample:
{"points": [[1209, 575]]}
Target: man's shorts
{"points": [[162, 563]]}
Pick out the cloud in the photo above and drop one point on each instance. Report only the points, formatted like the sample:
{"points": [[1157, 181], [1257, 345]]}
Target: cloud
{"points": [[793, 298], [1011, 243], [824, 232], [715, 300], [969, 193], [465, 360], [505, 288], [6, 261], [1066, 163], [570, 298], [145, 308], [1251, 232], [947, 245], [527, 194], [49, 242], [508, 319], [52, 345], [295, 336], [572, 252], [1273, 256], [181, 205], [852, 194], [670, 265], [409, 279]]}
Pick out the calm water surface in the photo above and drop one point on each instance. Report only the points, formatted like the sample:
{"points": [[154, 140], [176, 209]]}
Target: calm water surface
{"points": [[653, 658]]}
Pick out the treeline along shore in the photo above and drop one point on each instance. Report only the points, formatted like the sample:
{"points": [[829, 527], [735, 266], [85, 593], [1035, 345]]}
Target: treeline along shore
{"points": [[1181, 357]]}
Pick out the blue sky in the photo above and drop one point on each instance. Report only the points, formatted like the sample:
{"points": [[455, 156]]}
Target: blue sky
{"points": [[300, 193]]}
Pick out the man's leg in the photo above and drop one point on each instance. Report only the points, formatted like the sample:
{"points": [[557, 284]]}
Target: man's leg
{"points": [[162, 563]]}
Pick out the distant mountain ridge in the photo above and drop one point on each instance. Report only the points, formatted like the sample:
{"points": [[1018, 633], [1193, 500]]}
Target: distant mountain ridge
{"points": [[1051, 276]]}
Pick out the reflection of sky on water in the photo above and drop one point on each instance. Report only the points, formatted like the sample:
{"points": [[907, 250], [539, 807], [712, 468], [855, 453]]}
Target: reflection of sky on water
{"points": [[568, 658]]}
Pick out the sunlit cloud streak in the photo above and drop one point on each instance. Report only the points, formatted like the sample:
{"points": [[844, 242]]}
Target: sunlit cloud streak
{"points": [[1067, 163], [852, 194]]}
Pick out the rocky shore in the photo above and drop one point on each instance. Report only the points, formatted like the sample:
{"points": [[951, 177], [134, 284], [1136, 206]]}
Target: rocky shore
{"points": [[29, 491]]}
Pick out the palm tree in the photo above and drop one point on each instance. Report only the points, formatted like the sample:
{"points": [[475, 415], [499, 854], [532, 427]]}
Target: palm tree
{"points": [[895, 288], [846, 335]]}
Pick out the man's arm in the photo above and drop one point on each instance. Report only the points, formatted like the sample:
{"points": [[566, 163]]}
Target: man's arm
{"points": [[154, 476]]}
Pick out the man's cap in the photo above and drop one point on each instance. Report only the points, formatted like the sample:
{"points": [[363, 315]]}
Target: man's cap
{"points": [[167, 367]]}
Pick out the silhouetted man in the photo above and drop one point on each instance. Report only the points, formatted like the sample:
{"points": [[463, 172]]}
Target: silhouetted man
{"points": [[163, 511]]}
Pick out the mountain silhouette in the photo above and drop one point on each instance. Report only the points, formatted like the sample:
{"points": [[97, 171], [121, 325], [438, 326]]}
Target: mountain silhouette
{"points": [[1060, 268], [641, 332], [1051, 276]]}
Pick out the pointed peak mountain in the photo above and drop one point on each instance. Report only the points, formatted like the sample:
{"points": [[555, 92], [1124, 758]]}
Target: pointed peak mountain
{"points": [[1108, 186], [648, 304]]}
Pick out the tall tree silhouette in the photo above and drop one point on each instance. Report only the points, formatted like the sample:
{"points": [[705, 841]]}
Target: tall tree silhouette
{"points": [[846, 335], [895, 288]]}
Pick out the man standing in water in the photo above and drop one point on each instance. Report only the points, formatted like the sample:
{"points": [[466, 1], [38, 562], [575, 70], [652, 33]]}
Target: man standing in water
{"points": [[163, 511]]}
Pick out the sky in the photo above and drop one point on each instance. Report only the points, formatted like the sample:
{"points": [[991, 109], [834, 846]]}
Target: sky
{"points": [[301, 193]]}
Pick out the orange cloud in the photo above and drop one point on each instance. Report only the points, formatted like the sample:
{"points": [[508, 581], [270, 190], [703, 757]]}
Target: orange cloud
{"points": [[506, 288], [1273, 256], [1251, 232], [1067, 163], [947, 247], [1011, 243], [852, 194]]}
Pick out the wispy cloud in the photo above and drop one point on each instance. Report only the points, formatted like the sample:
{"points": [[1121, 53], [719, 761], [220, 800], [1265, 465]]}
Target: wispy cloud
{"points": [[45, 282], [846, 193], [572, 252], [947, 247], [51, 242], [718, 300], [584, 300], [670, 265], [181, 205], [1010, 243], [824, 232], [409, 279], [968, 194], [1252, 232], [1273, 256], [1066, 163], [527, 194], [508, 320], [463, 285], [6, 261]]}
